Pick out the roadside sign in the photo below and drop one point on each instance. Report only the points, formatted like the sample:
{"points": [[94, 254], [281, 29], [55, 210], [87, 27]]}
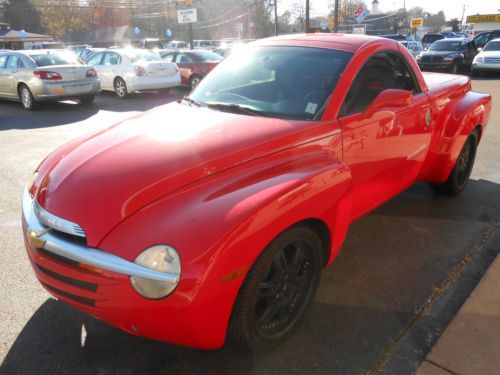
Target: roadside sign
{"points": [[417, 22], [358, 29], [187, 16], [360, 14]]}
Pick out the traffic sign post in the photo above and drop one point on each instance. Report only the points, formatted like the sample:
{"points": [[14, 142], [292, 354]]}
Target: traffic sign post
{"points": [[188, 16]]}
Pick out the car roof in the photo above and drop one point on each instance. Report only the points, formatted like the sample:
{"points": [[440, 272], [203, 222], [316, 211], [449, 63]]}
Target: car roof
{"points": [[454, 40], [31, 52]]}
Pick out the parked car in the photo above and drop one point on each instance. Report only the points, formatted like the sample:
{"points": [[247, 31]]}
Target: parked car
{"points": [[176, 44], [488, 59], [452, 55], [127, 70], [483, 38], [430, 38], [193, 65], [211, 218], [203, 44], [34, 76], [415, 47]]}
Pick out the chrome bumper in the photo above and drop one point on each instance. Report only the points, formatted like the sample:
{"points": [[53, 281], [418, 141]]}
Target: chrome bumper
{"points": [[41, 236]]}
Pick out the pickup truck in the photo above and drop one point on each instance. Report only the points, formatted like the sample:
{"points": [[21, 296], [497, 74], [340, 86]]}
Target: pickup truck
{"points": [[210, 219]]}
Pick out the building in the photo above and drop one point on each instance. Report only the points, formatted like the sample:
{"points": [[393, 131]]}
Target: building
{"points": [[484, 22], [20, 39]]}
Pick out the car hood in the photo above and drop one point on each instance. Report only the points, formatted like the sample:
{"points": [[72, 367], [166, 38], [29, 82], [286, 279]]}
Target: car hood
{"points": [[103, 179]]}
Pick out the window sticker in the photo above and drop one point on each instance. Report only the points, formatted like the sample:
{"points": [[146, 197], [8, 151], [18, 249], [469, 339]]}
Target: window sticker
{"points": [[311, 107]]}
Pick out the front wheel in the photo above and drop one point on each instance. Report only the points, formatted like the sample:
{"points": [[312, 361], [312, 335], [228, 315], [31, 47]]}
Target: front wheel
{"points": [[278, 289], [460, 174]]}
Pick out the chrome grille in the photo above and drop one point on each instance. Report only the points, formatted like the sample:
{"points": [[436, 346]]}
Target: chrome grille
{"points": [[57, 223]]}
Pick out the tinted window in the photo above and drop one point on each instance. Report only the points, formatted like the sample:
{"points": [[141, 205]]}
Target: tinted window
{"points": [[283, 82], [445, 45], [482, 38], [111, 59], [168, 57], [492, 46], [383, 71], [431, 38], [12, 62], [48, 59]]}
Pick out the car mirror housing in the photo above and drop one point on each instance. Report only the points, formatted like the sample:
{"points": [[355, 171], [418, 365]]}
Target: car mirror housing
{"points": [[389, 98], [479, 49]]}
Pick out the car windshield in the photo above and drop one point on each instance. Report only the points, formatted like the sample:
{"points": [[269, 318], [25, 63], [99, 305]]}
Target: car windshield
{"points": [[207, 56], [283, 82], [492, 46], [445, 45], [55, 58], [143, 56], [431, 38]]}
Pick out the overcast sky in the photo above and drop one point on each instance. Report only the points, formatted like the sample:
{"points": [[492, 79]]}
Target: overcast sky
{"points": [[451, 8]]}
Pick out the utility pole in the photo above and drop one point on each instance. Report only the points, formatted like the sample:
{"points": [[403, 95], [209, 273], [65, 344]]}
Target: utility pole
{"points": [[307, 16], [336, 17], [276, 17]]}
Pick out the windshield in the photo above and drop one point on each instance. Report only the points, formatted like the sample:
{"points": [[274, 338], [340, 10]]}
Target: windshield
{"points": [[445, 45], [60, 58], [492, 46], [431, 38], [283, 82], [143, 56], [207, 56]]}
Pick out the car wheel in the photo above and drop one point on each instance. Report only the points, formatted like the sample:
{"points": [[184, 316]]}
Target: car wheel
{"points": [[87, 100], [121, 88], [26, 98], [194, 81], [454, 68], [460, 174], [277, 290]]}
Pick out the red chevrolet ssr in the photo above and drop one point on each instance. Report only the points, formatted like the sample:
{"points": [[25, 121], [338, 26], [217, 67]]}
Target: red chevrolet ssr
{"points": [[210, 219]]}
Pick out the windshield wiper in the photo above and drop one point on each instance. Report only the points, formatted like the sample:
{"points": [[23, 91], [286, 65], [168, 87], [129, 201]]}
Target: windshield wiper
{"points": [[235, 108], [192, 101]]}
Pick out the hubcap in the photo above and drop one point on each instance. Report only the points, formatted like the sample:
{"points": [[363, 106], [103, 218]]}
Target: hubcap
{"points": [[286, 288], [120, 88], [195, 82], [26, 97]]}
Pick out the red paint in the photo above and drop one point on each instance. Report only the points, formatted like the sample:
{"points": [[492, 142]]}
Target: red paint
{"points": [[219, 187]]}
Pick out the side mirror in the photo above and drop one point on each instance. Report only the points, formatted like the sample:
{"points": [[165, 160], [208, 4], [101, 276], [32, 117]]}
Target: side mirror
{"points": [[387, 99], [479, 49]]}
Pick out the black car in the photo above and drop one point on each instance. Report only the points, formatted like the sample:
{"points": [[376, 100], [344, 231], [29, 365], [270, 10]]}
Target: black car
{"points": [[429, 38], [482, 38], [449, 55]]}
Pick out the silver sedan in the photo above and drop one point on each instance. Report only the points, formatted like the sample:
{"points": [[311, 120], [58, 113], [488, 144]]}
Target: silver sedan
{"points": [[33, 76]]}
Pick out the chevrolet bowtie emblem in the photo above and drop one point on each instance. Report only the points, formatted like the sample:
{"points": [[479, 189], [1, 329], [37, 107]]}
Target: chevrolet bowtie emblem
{"points": [[35, 240]]}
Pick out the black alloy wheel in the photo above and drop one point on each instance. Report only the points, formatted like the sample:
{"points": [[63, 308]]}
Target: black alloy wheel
{"points": [[278, 289]]}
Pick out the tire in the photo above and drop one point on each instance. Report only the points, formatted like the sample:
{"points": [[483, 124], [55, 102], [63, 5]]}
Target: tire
{"points": [[120, 86], [460, 174], [194, 81], [87, 100], [165, 91], [26, 98], [277, 290], [454, 68]]}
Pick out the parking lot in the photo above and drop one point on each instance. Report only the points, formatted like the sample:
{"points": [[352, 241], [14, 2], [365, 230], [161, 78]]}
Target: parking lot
{"points": [[403, 272]]}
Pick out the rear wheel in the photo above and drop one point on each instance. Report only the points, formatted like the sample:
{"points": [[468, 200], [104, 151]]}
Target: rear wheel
{"points": [[26, 97], [278, 289], [194, 81], [460, 174], [121, 88]]}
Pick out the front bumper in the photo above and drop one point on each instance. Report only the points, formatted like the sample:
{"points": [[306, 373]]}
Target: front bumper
{"points": [[97, 283], [476, 66]]}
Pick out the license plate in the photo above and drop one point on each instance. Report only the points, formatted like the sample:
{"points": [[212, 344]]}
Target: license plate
{"points": [[73, 89]]}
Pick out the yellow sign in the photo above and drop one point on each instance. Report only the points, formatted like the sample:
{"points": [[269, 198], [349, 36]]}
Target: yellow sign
{"points": [[416, 22], [483, 18]]}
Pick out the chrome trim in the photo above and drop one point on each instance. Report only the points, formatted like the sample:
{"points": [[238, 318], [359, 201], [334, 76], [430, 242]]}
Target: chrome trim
{"points": [[57, 223], [84, 254]]}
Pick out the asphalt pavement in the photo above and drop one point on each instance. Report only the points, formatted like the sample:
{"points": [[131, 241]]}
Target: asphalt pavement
{"points": [[404, 271]]}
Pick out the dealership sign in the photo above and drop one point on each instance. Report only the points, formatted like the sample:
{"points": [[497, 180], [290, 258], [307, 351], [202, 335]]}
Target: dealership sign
{"points": [[187, 16]]}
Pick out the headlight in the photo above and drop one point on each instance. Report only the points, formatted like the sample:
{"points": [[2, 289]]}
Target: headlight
{"points": [[161, 258], [478, 60], [418, 57]]}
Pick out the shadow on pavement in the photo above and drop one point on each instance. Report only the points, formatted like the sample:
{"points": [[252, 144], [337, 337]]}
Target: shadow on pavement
{"points": [[393, 262]]}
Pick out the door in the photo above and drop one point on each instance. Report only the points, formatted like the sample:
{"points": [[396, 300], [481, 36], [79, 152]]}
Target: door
{"points": [[12, 74], [96, 62], [4, 75], [184, 63], [386, 150], [109, 69]]}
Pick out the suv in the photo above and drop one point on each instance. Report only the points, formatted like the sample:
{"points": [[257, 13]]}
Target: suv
{"points": [[450, 54], [482, 38], [428, 39]]}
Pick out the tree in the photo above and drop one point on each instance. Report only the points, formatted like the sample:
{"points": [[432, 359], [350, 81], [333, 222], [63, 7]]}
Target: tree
{"points": [[435, 21], [455, 24], [22, 15]]}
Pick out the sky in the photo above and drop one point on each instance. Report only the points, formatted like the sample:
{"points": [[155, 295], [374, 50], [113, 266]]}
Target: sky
{"points": [[451, 8]]}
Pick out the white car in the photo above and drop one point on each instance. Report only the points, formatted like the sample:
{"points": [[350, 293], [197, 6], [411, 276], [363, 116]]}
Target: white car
{"points": [[127, 70], [414, 46], [488, 59]]}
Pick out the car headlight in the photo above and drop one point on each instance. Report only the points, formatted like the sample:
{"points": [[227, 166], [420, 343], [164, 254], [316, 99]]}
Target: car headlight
{"points": [[161, 258], [418, 57], [478, 60]]}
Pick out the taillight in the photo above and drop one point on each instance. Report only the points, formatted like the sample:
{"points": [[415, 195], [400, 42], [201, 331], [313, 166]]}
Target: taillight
{"points": [[139, 71], [91, 73], [47, 75]]}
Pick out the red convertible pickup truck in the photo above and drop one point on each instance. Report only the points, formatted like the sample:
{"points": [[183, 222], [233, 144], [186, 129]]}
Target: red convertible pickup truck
{"points": [[210, 219]]}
